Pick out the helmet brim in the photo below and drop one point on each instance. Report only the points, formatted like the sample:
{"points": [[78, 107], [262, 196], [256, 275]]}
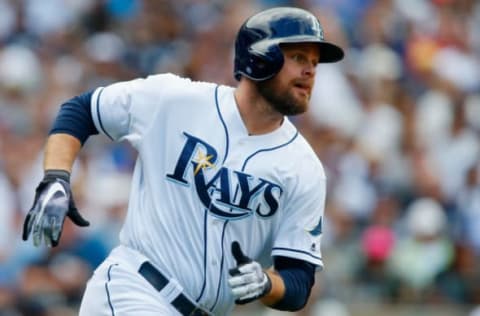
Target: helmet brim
{"points": [[329, 53]]}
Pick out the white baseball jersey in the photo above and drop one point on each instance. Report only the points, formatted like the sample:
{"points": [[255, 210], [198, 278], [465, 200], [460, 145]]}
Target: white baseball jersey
{"points": [[201, 182]]}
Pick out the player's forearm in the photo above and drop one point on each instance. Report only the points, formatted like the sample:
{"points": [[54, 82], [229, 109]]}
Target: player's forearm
{"points": [[61, 151], [278, 289]]}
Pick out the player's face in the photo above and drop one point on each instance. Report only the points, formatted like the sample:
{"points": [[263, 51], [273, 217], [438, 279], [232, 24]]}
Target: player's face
{"points": [[290, 90]]}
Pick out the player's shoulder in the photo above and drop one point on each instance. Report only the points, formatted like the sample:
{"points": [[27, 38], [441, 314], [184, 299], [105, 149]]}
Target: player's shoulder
{"points": [[184, 92], [175, 82], [301, 150], [299, 167]]}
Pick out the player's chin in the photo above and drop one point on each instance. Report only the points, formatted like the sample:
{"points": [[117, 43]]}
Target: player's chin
{"points": [[302, 108], [299, 107], [301, 103], [292, 103]]}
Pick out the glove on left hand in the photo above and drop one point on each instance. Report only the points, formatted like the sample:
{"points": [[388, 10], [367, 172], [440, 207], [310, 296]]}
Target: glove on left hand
{"points": [[248, 280], [53, 202]]}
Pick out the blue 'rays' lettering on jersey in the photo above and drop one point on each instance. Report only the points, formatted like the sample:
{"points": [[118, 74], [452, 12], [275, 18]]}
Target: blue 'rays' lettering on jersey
{"points": [[189, 149], [198, 155]]}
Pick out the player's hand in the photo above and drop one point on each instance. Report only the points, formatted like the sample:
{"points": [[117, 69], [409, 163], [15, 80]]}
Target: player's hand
{"points": [[53, 202], [247, 280]]}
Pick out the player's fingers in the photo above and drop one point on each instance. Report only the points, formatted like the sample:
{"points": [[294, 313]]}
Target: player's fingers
{"points": [[56, 227], [48, 227], [245, 301], [36, 233], [241, 279], [248, 268], [46, 230], [240, 291], [236, 281], [249, 278], [234, 271], [27, 226], [47, 240], [246, 291], [238, 254], [248, 297], [77, 218]]}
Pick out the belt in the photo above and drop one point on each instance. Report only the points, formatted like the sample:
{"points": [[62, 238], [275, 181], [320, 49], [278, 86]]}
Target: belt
{"points": [[182, 303]]}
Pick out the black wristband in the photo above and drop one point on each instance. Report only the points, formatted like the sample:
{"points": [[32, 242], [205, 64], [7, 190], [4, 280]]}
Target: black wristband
{"points": [[57, 174]]}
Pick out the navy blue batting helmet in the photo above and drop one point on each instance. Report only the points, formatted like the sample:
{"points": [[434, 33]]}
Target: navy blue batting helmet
{"points": [[257, 47]]}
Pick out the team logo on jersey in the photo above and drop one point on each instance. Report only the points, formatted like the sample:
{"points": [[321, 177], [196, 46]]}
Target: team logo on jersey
{"points": [[317, 230], [226, 193]]}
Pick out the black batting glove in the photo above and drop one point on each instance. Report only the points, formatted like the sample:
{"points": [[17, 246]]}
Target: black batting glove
{"points": [[53, 202], [247, 280]]}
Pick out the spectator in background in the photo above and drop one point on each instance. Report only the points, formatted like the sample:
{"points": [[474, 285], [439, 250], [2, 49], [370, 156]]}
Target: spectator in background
{"points": [[422, 252]]}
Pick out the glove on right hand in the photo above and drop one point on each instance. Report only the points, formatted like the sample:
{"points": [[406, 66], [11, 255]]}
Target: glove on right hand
{"points": [[248, 280], [53, 202]]}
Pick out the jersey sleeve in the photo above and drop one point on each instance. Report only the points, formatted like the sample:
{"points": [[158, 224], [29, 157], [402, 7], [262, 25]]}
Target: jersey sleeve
{"points": [[126, 110], [299, 231]]}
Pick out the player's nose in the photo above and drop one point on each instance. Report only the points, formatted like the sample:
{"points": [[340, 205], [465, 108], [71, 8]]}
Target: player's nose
{"points": [[309, 70]]}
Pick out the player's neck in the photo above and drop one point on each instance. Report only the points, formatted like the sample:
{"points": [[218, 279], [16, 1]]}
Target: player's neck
{"points": [[258, 116]]}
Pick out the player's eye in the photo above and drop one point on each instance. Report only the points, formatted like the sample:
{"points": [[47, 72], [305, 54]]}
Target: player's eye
{"points": [[303, 59], [298, 58]]}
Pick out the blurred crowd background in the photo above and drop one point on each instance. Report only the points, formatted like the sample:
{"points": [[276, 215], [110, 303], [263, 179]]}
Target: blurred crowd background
{"points": [[396, 125]]}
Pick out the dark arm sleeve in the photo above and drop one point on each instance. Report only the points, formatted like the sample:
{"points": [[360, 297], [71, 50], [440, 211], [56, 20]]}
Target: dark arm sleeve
{"points": [[299, 277], [75, 118]]}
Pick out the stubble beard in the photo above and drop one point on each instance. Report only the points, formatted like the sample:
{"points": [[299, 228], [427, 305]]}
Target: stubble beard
{"points": [[283, 102]]}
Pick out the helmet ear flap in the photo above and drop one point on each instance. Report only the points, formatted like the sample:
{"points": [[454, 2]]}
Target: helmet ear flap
{"points": [[263, 65]]}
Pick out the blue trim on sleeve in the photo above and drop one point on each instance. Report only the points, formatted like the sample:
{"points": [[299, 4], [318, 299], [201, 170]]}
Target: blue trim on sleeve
{"points": [[299, 251], [75, 118], [99, 117], [224, 125]]}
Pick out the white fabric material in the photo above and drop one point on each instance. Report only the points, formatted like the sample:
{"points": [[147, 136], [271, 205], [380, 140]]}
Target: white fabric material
{"points": [[116, 288], [7, 216], [201, 182]]}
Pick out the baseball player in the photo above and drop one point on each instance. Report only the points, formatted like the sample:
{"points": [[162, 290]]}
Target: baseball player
{"points": [[227, 197]]}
